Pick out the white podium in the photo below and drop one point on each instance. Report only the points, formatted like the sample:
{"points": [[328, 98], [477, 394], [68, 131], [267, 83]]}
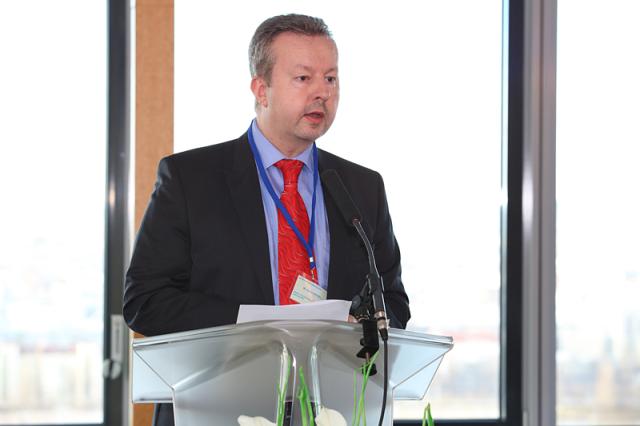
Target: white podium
{"points": [[214, 375]]}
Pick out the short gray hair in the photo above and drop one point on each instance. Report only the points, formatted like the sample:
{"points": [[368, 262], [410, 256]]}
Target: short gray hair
{"points": [[261, 59]]}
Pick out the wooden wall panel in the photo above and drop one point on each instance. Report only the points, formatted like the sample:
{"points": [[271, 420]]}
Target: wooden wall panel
{"points": [[154, 114], [154, 94]]}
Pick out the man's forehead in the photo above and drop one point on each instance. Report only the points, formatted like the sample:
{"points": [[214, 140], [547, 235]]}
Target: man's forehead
{"points": [[303, 67], [301, 50]]}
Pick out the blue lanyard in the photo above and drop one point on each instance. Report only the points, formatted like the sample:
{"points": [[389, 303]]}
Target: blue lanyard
{"points": [[308, 245]]}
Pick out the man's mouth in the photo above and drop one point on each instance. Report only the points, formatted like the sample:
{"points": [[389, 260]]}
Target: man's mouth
{"points": [[314, 116]]}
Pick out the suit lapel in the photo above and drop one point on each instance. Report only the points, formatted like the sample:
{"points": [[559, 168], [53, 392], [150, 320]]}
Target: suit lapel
{"points": [[244, 188], [339, 237]]}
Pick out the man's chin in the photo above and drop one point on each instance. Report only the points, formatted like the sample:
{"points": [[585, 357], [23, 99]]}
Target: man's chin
{"points": [[311, 134]]}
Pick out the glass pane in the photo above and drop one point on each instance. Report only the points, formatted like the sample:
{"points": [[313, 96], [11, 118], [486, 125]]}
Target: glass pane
{"points": [[52, 221], [420, 103], [598, 231]]}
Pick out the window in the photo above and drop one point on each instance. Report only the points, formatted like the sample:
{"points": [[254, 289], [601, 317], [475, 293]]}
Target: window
{"points": [[422, 103], [598, 231], [53, 127]]}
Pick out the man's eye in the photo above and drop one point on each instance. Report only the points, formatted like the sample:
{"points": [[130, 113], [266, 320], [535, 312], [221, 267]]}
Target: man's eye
{"points": [[332, 79], [302, 78]]}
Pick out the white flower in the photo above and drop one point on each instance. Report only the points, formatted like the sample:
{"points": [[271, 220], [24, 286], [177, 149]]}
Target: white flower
{"points": [[254, 421], [329, 417]]}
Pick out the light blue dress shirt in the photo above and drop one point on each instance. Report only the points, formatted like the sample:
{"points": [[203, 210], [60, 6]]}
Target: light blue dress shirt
{"points": [[270, 156]]}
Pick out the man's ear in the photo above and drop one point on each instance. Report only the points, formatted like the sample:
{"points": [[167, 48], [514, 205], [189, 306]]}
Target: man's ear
{"points": [[259, 89]]}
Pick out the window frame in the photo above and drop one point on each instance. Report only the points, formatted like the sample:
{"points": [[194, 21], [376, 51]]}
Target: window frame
{"points": [[518, 33], [116, 390], [512, 224]]}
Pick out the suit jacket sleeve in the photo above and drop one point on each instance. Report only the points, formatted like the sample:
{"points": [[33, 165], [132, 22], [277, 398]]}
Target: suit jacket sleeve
{"points": [[157, 295], [387, 254]]}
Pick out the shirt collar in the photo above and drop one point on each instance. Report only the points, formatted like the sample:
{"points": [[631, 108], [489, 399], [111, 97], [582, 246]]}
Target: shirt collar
{"points": [[270, 154]]}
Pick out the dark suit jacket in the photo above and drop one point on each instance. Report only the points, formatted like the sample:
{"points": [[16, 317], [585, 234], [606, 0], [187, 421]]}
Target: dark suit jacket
{"points": [[202, 248]]}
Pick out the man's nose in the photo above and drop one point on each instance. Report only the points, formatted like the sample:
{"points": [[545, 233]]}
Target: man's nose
{"points": [[323, 90]]}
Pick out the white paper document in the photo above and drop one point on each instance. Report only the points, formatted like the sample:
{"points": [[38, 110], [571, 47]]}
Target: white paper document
{"points": [[323, 310]]}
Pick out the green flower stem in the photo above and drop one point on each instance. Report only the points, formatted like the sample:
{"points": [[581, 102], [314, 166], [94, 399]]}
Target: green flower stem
{"points": [[427, 420], [282, 395], [306, 412], [303, 408], [360, 413]]}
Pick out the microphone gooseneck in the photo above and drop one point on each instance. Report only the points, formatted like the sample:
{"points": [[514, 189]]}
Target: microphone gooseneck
{"points": [[374, 284]]}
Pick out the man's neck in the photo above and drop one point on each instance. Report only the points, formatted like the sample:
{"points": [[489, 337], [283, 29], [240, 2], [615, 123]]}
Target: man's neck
{"points": [[288, 148]]}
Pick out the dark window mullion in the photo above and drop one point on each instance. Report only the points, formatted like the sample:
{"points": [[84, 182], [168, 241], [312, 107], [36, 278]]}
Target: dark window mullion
{"points": [[511, 358], [115, 390]]}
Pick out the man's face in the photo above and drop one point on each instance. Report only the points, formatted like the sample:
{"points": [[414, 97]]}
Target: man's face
{"points": [[300, 103]]}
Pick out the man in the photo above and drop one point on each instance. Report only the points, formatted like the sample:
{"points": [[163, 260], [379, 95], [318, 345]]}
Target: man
{"points": [[247, 221]]}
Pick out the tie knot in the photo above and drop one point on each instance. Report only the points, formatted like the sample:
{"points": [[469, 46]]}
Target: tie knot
{"points": [[290, 171]]}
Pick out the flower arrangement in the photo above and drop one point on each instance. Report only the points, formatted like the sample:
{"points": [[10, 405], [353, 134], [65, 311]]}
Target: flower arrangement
{"points": [[325, 416]]}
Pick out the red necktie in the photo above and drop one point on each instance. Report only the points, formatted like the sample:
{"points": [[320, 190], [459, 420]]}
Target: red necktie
{"points": [[293, 259]]}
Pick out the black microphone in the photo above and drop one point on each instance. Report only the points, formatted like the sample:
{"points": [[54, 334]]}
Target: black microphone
{"points": [[352, 216]]}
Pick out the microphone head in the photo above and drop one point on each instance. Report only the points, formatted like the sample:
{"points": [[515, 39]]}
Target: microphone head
{"points": [[332, 181]]}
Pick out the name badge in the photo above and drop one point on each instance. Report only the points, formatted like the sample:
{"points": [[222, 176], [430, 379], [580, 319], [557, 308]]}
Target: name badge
{"points": [[306, 291]]}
